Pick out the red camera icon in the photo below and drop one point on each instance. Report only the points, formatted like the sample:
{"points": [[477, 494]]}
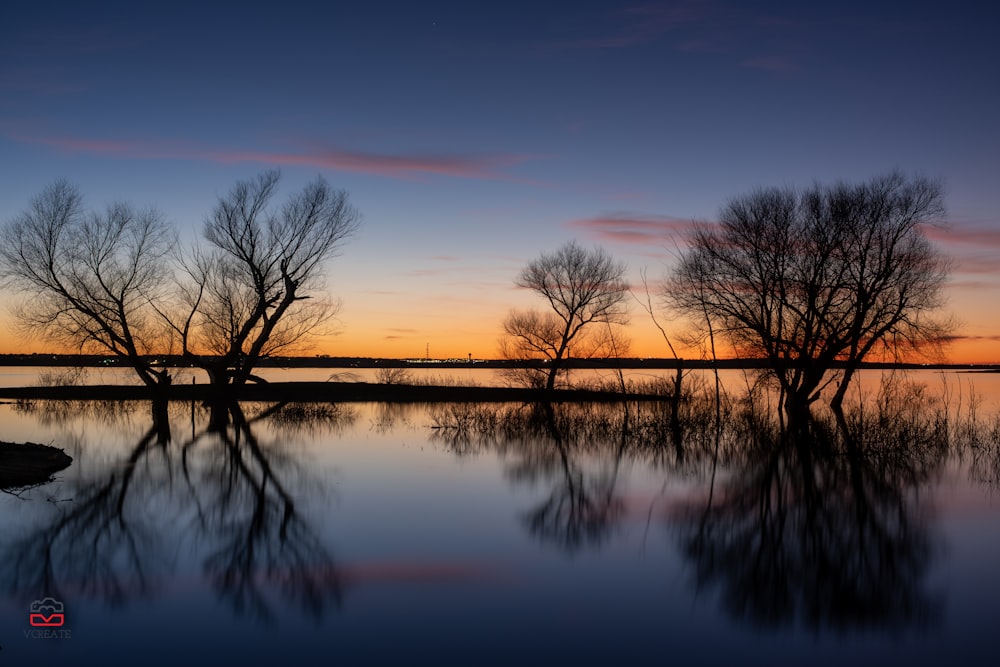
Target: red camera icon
{"points": [[47, 613]]}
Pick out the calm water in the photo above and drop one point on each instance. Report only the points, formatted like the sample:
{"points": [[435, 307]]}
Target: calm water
{"points": [[446, 535]]}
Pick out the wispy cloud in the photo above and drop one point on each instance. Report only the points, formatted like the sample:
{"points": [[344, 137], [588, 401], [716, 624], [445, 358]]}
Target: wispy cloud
{"points": [[395, 333], [974, 284], [975, 249], [637, 25], [407, 167], [637, 229], [696, 27], [959, 338], [396, 166], [982, 264], [956, 235]]}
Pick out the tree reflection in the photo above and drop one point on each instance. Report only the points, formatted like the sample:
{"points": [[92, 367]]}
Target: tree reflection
{"points": [[823, 526], [262, 542], [814, 521], [581, 508], [559, 446], [97, 541], [108, 541]]}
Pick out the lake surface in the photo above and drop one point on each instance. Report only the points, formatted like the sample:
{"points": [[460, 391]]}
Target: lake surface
{"points": [[508, 534]]}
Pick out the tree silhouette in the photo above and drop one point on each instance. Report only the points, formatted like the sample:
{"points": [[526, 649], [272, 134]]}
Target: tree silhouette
{"points": [[87, 280], [583, 288], [257, 290], [822, 277], [101, 281]]}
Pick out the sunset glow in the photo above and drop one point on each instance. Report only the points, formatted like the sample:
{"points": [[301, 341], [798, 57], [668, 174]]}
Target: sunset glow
{"points": [[471, 139]]}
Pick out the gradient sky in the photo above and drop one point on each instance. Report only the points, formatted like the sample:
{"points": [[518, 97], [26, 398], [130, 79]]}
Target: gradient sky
{"points": [[473, 136]]}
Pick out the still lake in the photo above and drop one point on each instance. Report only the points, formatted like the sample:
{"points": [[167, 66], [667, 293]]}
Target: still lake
{"points": [[469, 535]]}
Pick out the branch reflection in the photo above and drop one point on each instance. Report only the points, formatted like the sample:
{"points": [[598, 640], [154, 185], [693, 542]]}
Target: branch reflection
{"points": [[821, 523], [561, 447], [261, 541], [109, 540], [97, 541]]}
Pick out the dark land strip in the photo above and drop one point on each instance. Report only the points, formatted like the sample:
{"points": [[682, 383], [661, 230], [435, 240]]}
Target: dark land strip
{"points": [[29, 464]]}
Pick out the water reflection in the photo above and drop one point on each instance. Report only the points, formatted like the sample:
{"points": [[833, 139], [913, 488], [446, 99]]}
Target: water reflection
{"points": [[822, 522], [821, 528], [240, 489], [554, 446], [231, 492], [581, 507], [94, 540]]}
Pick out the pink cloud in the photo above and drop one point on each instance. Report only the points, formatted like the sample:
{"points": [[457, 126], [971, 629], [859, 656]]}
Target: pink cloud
{"points": [[398, 166], [973, 284], [643, 230], [408, 167], [981, 264], [968, 235]]}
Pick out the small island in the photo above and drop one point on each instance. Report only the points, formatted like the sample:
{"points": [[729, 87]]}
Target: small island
{"points": [[29, 464]]}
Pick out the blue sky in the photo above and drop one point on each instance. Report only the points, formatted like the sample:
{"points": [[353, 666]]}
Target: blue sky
{"points": [[473, 136]]}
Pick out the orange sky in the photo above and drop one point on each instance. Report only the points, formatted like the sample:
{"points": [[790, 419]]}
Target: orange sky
{"points": [[453, 327]]}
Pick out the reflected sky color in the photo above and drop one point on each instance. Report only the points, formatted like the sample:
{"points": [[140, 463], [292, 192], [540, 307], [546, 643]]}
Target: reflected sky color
{"points": [[549, 537], [473, 137]]}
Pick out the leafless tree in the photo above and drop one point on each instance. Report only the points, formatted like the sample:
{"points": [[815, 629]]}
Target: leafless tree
{"points": [[87, 280], [259, 288], [817, 280], [582, 287]]}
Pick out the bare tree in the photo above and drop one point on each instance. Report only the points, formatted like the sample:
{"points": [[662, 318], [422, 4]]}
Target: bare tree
{"points": [[87, 279], [258, 289], [582, 287], [817, 280]]}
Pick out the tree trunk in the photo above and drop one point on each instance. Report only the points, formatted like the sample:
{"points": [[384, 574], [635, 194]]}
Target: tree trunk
{"points": [[837, 402], [550, 382]]}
